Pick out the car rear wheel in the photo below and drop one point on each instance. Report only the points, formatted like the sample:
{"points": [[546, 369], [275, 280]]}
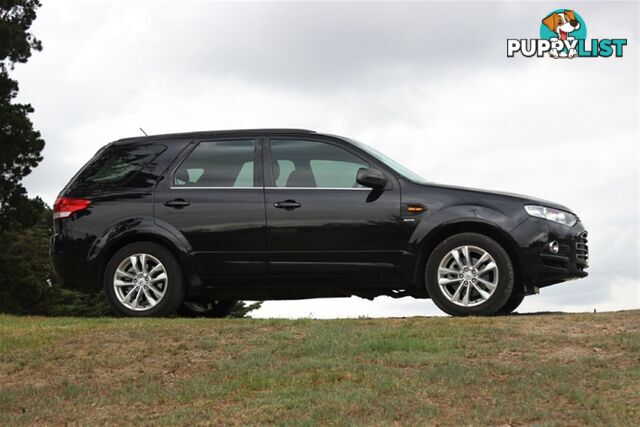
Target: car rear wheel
{"points": [[144, 280], [469, 274], [216, 308]]}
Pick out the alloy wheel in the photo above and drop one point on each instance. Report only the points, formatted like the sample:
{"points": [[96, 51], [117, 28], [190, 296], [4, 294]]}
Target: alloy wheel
{"points": [[140, 282], [468, 276]]}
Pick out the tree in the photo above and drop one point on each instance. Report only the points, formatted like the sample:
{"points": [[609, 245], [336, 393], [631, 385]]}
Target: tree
{"points": [[20, 144], [242, 309], [28, 284], [24, 267]]}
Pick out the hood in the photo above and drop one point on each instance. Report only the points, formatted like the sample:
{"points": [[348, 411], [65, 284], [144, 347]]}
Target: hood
{"points": [[517, 197]]}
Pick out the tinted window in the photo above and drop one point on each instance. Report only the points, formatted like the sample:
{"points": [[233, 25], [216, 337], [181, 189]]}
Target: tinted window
{"points": [[116, 165], [314, 164], [218, 164]]}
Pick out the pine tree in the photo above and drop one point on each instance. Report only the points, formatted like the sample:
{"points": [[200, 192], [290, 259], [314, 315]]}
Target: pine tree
{"points": [[20, 143]]}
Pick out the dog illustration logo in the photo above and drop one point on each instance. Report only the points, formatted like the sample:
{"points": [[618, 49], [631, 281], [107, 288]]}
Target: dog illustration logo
{"points": [[563, 34], [562, 23]]}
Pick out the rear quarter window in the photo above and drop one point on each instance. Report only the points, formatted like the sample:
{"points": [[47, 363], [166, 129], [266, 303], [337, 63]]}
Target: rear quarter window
{"points": [[116, 166]]}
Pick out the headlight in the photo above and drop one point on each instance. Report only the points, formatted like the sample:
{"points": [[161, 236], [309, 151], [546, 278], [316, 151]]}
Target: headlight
{"points": [[551, 214]]}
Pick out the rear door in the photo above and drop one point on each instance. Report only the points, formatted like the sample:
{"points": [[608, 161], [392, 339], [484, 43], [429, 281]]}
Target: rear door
{"points": [[321, 222], [214, 197]]}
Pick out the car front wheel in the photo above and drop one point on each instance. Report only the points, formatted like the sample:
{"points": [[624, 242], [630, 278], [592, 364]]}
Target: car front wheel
{"points": [[144, 280], [469, 274]]}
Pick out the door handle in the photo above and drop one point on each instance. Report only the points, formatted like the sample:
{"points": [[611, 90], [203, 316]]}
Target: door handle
{"points": [[288, 205], [177, 203]]}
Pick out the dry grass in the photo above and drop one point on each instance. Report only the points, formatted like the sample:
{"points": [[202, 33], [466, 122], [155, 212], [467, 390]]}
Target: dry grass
{"points": [[552, 369]]}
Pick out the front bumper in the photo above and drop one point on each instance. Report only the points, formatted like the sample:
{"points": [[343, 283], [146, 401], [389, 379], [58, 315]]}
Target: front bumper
{"points": [[539, 265]]}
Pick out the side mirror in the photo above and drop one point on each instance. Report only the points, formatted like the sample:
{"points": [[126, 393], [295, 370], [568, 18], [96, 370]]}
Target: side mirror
{"points": [[371, 178]]}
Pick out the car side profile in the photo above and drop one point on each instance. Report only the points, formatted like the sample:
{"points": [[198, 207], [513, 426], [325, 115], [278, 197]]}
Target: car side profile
{"points": [[193, 222]]}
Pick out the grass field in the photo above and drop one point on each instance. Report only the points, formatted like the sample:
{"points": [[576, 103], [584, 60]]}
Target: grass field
{"points": [[552, 369]]}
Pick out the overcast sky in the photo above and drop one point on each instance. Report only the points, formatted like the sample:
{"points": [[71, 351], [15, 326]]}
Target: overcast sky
{"points": [[429, 84]]}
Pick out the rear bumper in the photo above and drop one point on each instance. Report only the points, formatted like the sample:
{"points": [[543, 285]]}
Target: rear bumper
{"points": [[69, 261], [539, 265]]}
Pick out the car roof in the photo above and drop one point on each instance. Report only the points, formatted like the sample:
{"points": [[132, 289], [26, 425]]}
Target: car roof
{"points": [[216, 134]]}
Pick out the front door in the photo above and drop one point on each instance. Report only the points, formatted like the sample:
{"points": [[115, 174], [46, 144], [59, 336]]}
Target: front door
{"points": [[215, 199], [321, 222]]}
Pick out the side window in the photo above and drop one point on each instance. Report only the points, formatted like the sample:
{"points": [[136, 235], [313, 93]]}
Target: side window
{"points": [[218, 164], [298, 163], [117, 165]]}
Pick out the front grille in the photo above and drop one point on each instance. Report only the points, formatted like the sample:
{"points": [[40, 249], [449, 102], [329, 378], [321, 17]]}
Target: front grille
{"points": [[582, 250]]}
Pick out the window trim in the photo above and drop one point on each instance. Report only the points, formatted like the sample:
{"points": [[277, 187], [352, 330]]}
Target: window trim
{"points": [[319, 188], [215, 188], [258, 182]]}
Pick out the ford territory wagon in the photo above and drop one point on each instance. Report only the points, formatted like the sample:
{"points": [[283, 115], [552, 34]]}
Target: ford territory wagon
{"points": [[193, 222]]}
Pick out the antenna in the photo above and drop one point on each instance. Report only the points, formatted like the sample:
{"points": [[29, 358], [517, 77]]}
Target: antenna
{"points": [[142, 130]]}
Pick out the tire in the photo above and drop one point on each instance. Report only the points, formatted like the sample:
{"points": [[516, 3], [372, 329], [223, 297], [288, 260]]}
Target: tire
{"points": [[486, 285], [216, 308], [154, 295], [512, 303]]}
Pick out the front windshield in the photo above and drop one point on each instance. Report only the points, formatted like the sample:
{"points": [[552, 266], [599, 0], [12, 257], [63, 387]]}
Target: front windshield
{"points": [[402, 170]]}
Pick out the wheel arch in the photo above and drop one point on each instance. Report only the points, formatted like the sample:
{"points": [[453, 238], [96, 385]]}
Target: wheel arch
{"points": [[145, 230], [440, 233]]}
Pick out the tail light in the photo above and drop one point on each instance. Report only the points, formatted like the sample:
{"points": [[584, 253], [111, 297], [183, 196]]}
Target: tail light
{"points": [[65, 206]]}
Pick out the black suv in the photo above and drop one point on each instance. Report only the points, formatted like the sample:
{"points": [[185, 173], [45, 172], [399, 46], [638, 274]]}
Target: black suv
{"points": [[195, 221]]}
